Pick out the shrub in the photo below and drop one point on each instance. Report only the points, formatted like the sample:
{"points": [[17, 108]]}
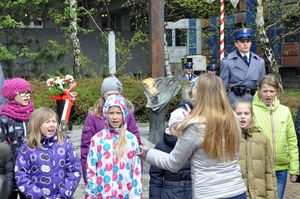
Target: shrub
{"points": [[88, 90]]}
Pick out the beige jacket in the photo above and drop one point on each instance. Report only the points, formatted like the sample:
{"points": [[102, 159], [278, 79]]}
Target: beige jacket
{"points": [[255, 159]]}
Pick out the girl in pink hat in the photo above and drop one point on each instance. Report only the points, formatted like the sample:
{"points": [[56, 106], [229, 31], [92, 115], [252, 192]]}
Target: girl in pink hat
{"points": [[14, 115]]}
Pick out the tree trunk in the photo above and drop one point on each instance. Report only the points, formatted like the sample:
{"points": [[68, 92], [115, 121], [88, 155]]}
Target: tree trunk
{"points": [[77, 69], [264, 39]]}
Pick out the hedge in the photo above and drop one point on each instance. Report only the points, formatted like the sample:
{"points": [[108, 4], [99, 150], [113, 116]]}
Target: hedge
{"points": [[88, 90]]}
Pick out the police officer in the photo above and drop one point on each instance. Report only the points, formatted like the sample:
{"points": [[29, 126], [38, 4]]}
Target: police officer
{"points": [[212, 69], [188, 72], [242, 70]]}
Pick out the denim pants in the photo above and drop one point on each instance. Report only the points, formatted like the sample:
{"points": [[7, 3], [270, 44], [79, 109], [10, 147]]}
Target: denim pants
{"points": [[281, 182]]}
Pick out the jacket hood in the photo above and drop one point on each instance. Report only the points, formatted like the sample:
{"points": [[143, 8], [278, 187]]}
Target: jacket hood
{"points": [[258, 103], [47, 142], [119, 101], [5, 150], [170, 140], [250, 131]]}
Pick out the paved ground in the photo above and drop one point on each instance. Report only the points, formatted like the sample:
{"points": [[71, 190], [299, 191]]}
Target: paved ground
{"points": [[292, 190]]}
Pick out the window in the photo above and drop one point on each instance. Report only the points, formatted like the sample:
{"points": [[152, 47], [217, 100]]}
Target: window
{"points": [[169, 37], [292, 24], [31, 21], [180, 37]]}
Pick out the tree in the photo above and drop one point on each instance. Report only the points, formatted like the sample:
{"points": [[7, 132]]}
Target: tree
{"points": [[73, 31]]}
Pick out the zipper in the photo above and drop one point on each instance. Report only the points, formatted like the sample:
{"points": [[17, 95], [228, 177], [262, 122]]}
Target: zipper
{"points": [[273, 133], [25, 129]]}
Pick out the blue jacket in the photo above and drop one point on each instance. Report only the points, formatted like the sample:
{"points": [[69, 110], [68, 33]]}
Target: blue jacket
{"points": [[165, 184], [235, 72]]}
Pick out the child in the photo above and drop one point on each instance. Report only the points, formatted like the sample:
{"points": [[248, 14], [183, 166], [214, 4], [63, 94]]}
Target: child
{"points": [[113, 169], [164, 183], [276, 122], [95, 121], [255, 155], [46, 165], [6, 168], [15, 114]]}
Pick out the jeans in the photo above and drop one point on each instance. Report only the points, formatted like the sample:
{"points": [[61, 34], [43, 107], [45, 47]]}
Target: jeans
{"points": [[241, 196], [281, 182]]}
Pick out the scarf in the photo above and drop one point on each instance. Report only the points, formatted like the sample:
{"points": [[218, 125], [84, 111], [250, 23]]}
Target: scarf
{"points": [[17, 111], [47, 142]]}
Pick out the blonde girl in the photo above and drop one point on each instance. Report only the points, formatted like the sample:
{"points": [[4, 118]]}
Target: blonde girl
{"points": [[46, 165], [113, 169], [209, 137], [255, 155]]}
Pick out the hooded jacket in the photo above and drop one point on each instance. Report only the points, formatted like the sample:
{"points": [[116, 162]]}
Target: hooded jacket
{"points": [[277, 124], [109, 175], [52, 172], [93, 125], [256, 162]]}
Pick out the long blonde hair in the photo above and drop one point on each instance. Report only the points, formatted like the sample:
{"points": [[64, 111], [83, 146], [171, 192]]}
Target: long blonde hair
{"points": [[212, 107], [38, 117]]}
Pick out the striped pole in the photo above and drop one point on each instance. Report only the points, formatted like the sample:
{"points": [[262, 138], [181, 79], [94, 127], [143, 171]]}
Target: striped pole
{"points": [[222, 32]]}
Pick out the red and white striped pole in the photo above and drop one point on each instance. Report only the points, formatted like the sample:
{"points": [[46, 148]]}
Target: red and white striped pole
{"points": [[222, 31]]}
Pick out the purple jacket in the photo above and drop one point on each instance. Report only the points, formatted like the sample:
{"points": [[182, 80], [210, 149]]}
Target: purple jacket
{"points": [[93, 125], [52, 172]]}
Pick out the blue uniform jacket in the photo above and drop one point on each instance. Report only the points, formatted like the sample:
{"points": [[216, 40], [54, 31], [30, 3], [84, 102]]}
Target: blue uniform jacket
{"points": [[235, 72]]}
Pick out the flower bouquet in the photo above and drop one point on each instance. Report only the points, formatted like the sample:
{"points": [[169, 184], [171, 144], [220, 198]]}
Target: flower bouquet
{"points": [[60, 90], [57, 85]]}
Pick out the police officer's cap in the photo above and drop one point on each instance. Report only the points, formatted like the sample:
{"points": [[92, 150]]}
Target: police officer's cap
{"points": [[212, 67], [188, 65], [243, 34]]}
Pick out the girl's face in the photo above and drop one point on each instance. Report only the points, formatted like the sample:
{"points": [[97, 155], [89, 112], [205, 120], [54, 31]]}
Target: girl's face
{"points": [[49, 127], [244, 114], [23, 98], [267, 93], [115, 117]]}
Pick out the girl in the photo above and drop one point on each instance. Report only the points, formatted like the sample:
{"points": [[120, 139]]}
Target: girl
{"points": [[46, 166], [113, 169], [95, 120], [277, 124], [255, 155], [209, 137], [15, 114]]}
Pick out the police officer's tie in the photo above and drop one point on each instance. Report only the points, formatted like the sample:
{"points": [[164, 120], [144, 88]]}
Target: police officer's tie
{"points": [[245, 59]]}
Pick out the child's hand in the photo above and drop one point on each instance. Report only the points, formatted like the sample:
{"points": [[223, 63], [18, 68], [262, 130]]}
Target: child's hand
{"points": [[293, 178], [143, 153]]}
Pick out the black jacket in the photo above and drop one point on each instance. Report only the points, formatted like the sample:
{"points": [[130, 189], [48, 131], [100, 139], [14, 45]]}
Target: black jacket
{"points": [[6, 169], [15, 131], [165, 184]]}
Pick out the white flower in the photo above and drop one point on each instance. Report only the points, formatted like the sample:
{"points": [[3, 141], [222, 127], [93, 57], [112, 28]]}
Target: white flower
{"points": [[69, 77]]}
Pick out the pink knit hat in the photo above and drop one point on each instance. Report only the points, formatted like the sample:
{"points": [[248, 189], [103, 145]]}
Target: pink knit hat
{"points": [[12, 86]]}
